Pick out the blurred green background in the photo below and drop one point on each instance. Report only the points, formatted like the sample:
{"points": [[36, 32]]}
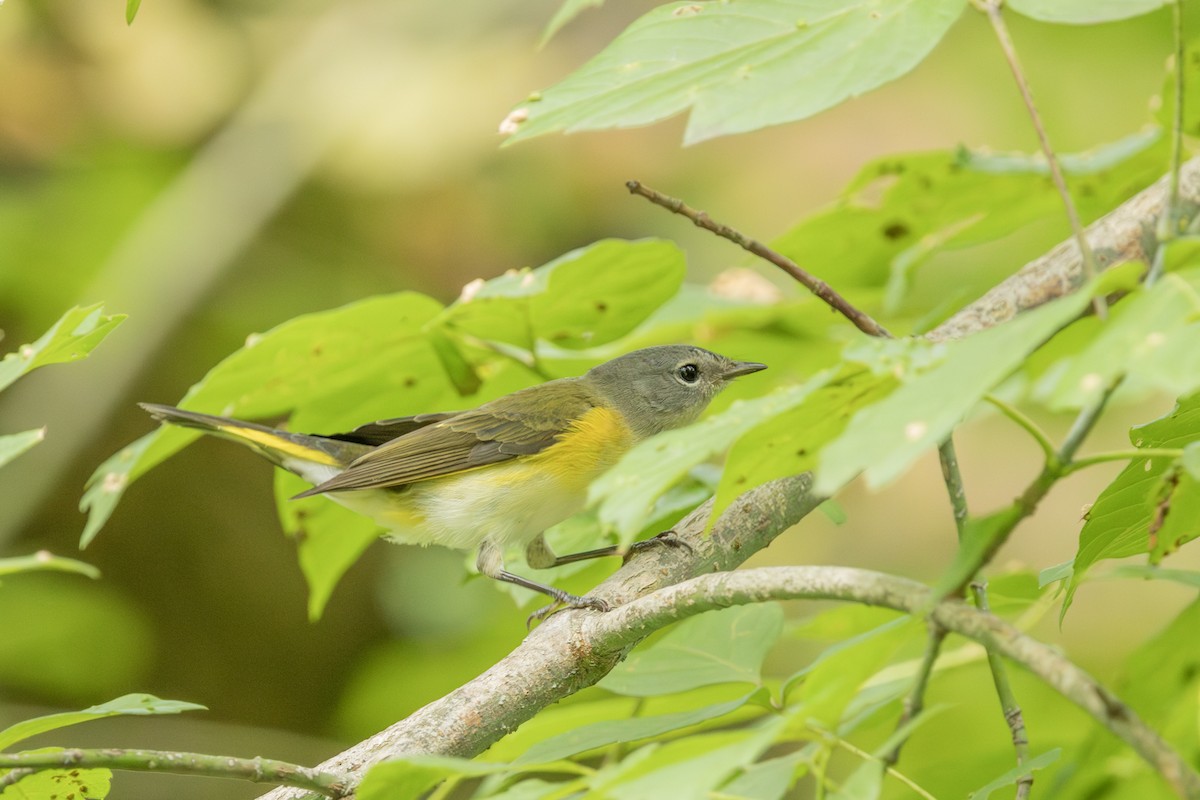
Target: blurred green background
{"points": [[217, 168]]}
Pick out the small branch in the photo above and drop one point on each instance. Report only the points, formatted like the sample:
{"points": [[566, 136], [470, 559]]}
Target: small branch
{"points": [[954, 483], [258, 770], [818, 287], [991, 8], [1171, 220], [914, 704], [1008, 701]]}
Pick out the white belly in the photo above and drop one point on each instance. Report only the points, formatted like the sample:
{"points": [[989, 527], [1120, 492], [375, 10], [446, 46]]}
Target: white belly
{"points": [[500, 504]]}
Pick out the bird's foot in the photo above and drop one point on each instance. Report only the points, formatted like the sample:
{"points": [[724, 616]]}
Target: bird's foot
{"points": [[666, 538], [565, 602]]}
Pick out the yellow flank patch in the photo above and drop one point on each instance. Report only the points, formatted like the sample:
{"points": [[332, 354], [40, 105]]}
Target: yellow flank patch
{"points": [[279, 444], [591, 445]]}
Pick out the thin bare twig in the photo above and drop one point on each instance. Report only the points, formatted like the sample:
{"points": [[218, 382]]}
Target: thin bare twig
{"points": [[258, 770], [1008, 700], [822, 290], [991, 8]]}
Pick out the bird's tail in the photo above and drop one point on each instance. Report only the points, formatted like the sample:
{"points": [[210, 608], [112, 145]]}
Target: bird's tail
{"points": [[314, 458]]}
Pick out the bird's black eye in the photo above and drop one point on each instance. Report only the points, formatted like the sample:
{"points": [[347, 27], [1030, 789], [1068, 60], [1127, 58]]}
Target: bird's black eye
{"points": [[688, 373]]}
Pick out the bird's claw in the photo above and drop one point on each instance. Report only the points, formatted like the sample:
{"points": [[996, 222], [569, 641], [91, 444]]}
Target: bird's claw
{"points": [[544, 613], [667, 538]]}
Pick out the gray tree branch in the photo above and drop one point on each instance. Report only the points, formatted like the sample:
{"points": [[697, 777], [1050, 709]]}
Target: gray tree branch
{"points": [[574, 650]]}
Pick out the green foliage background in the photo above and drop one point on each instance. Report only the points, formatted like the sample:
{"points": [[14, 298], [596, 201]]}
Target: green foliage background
{"points": [[215, 170]]}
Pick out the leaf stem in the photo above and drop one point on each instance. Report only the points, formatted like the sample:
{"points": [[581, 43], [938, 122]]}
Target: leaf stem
{"points": [[258, 770], [1008, 700], [1016, 415], [1057, 466], [1170, 223], [891, 771], [822, 290], [1121, 455], [991, 8]]}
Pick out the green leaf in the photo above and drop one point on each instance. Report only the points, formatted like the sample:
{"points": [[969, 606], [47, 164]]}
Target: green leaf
{"points": [[559, 719], [76, 334], [626, 494], [1056, 573], [789, 443], [739, 66], [347, 359], [43, 560], [14, 444], [1083, 12], [865, 783], [60, 784], [586, 298], [1088, 162], [726, 646], [1150, 572], [832, 681], [568, 11], [131, 9], [409, 778], [766, 780], [691, 766], [130, 705], [1118, 523], [885, 438], [1011, 777], [902, 210], [330, 538], [1191, 459], [602, 734], [1149, 336]]}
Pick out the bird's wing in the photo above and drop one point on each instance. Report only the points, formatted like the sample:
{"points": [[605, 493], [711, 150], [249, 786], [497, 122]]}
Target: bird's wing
{"points": [[522, 423], [385, 430]]}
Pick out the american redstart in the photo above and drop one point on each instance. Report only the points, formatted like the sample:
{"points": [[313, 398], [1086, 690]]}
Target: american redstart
{"points": [[504, 472]]}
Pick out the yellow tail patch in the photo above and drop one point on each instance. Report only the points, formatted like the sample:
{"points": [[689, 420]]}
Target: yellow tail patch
{"points": [[280, 444]]}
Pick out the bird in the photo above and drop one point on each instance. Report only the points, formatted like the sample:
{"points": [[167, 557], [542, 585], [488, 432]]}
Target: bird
{"points": [[502, 473]]}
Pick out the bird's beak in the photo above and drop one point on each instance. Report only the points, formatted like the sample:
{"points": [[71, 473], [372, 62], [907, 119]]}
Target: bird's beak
{"points": [[740, 368]]}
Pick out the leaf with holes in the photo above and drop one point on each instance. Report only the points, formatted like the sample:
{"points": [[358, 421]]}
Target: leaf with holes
{"points": [[1134, 514]]}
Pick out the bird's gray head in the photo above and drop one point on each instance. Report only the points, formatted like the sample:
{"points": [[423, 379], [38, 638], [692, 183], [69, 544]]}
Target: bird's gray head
{"points": [[659, 388]]}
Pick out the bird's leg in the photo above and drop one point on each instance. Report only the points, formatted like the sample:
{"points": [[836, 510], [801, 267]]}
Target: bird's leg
{"points": [[539, 555], [490, 562]]}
